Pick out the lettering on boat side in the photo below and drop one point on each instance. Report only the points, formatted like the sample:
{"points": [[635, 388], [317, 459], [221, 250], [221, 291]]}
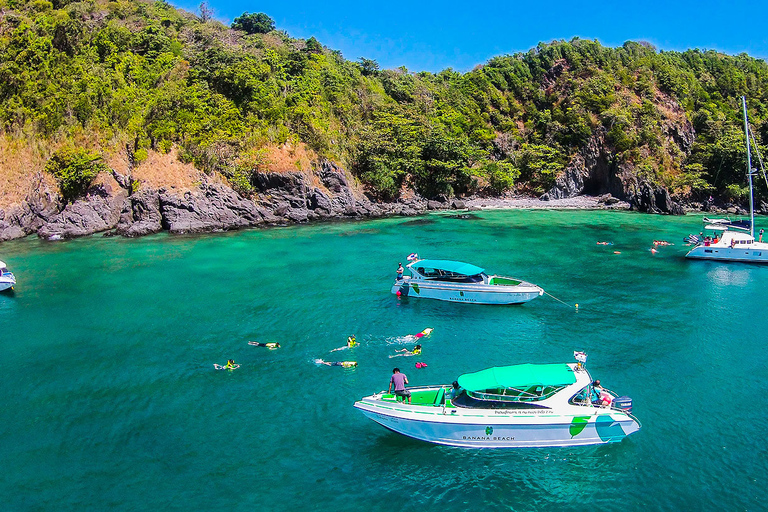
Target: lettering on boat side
{"points": [[524, 411], [487, 438], [387, 418]]}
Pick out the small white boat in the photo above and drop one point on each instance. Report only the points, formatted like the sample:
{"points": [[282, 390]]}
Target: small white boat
{"points": [[532, 405], [456, 281], [7, 279], [733, 240]]}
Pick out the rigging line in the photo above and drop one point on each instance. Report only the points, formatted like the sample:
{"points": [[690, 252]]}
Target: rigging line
{"points": [[759, 157], [560, 301], [714, 182]]}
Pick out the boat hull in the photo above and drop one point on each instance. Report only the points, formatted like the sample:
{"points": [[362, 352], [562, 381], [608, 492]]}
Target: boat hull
{"points": [[719, 253], [502, 428], [474, 293], [7, 281]]}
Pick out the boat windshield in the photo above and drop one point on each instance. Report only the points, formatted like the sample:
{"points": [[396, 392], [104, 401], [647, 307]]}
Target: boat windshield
{"points": [[465, 399], [514, 394], [437, 274]]}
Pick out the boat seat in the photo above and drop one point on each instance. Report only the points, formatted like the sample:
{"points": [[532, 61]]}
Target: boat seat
{"points": [[440, 397]]}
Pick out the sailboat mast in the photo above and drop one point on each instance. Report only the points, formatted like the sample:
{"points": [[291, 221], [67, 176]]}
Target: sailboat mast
{"points": [[749, 170]]}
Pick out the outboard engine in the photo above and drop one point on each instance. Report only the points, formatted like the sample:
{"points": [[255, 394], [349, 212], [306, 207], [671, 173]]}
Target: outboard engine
{"points": [[623, 403]]}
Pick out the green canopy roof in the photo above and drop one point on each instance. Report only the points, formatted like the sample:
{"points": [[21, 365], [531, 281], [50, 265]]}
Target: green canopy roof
{"points": [[518, 376], [457, 267]]}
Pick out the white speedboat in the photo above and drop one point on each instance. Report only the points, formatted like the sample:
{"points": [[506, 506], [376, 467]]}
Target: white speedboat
{"points": [[455, 281], [507, 407], [733, 241], [7, 279]]}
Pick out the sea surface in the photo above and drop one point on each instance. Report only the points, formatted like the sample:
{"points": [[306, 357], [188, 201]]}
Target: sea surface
{"points": [[110, 399]]}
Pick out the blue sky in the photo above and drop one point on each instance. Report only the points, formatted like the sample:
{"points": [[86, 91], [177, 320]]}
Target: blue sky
{"points": [[432, 36]]}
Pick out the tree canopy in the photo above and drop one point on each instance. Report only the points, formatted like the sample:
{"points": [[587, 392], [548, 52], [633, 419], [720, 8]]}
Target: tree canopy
{"points": [[145, 74], [258, 23]]}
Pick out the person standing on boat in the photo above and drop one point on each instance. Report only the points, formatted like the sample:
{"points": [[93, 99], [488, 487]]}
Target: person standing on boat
{"points": [[399, 380], [599, 395], [400, 271], [597, 389], [454, 392]]}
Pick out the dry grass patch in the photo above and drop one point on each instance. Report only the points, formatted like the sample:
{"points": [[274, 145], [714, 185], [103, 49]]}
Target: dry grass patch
{"points": [[21, 162], [166, 170], [289, 157]]}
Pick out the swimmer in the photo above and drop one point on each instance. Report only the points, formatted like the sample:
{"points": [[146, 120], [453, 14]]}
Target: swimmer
{"points": [[351, 342], [425, 332], [345, 364], [270, 346], [405, 352], [231, 365], [604, 243]]}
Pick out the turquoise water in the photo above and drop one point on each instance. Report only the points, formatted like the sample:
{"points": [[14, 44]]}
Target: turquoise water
{"points": [[111, 401]]}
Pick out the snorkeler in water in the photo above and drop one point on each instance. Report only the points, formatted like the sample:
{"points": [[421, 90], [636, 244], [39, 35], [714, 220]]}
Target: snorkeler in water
{"points": [[270, 346], [413, 337], [231, 365], [405, 352], [351, 342], [345, 364]]}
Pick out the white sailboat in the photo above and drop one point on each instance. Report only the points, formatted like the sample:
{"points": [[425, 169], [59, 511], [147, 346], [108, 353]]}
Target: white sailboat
{"points": [[733, 241]]}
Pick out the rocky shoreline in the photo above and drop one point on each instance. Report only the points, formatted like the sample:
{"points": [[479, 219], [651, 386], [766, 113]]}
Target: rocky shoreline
{"points": [[112, 207]]}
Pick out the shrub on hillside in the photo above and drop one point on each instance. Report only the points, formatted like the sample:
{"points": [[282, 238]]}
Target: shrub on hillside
{"points": [[256, 23], [74, 170]]}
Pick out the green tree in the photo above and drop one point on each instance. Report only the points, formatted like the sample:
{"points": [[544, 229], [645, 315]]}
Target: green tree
{"points": [[368, 67], [74, 170], [256, 23], [501, 176]]}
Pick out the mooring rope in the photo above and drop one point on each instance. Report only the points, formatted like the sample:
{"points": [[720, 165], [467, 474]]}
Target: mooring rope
{"points": [[560, 301]]}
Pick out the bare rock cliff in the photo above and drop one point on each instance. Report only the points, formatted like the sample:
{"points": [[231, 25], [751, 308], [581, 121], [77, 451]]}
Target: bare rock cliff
{"points": [[282, 198]]}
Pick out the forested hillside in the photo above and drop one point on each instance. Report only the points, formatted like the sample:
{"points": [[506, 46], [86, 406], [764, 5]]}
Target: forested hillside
{"points": [[83, 80]]}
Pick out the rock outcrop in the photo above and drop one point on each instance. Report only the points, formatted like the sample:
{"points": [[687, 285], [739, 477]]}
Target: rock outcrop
{"points": [[215, 208], [290, 197], [596, 171], [282, 198], [323, 192], [39, 205], [140, 214], [98, 211]]}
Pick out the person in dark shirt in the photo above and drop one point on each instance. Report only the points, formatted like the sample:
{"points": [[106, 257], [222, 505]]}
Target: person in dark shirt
{"points": [[399, 380]]}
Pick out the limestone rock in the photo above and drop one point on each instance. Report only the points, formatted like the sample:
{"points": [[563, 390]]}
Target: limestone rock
{"points": [[216, 207], [140, 214], [98, 211], [39, 206]]}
